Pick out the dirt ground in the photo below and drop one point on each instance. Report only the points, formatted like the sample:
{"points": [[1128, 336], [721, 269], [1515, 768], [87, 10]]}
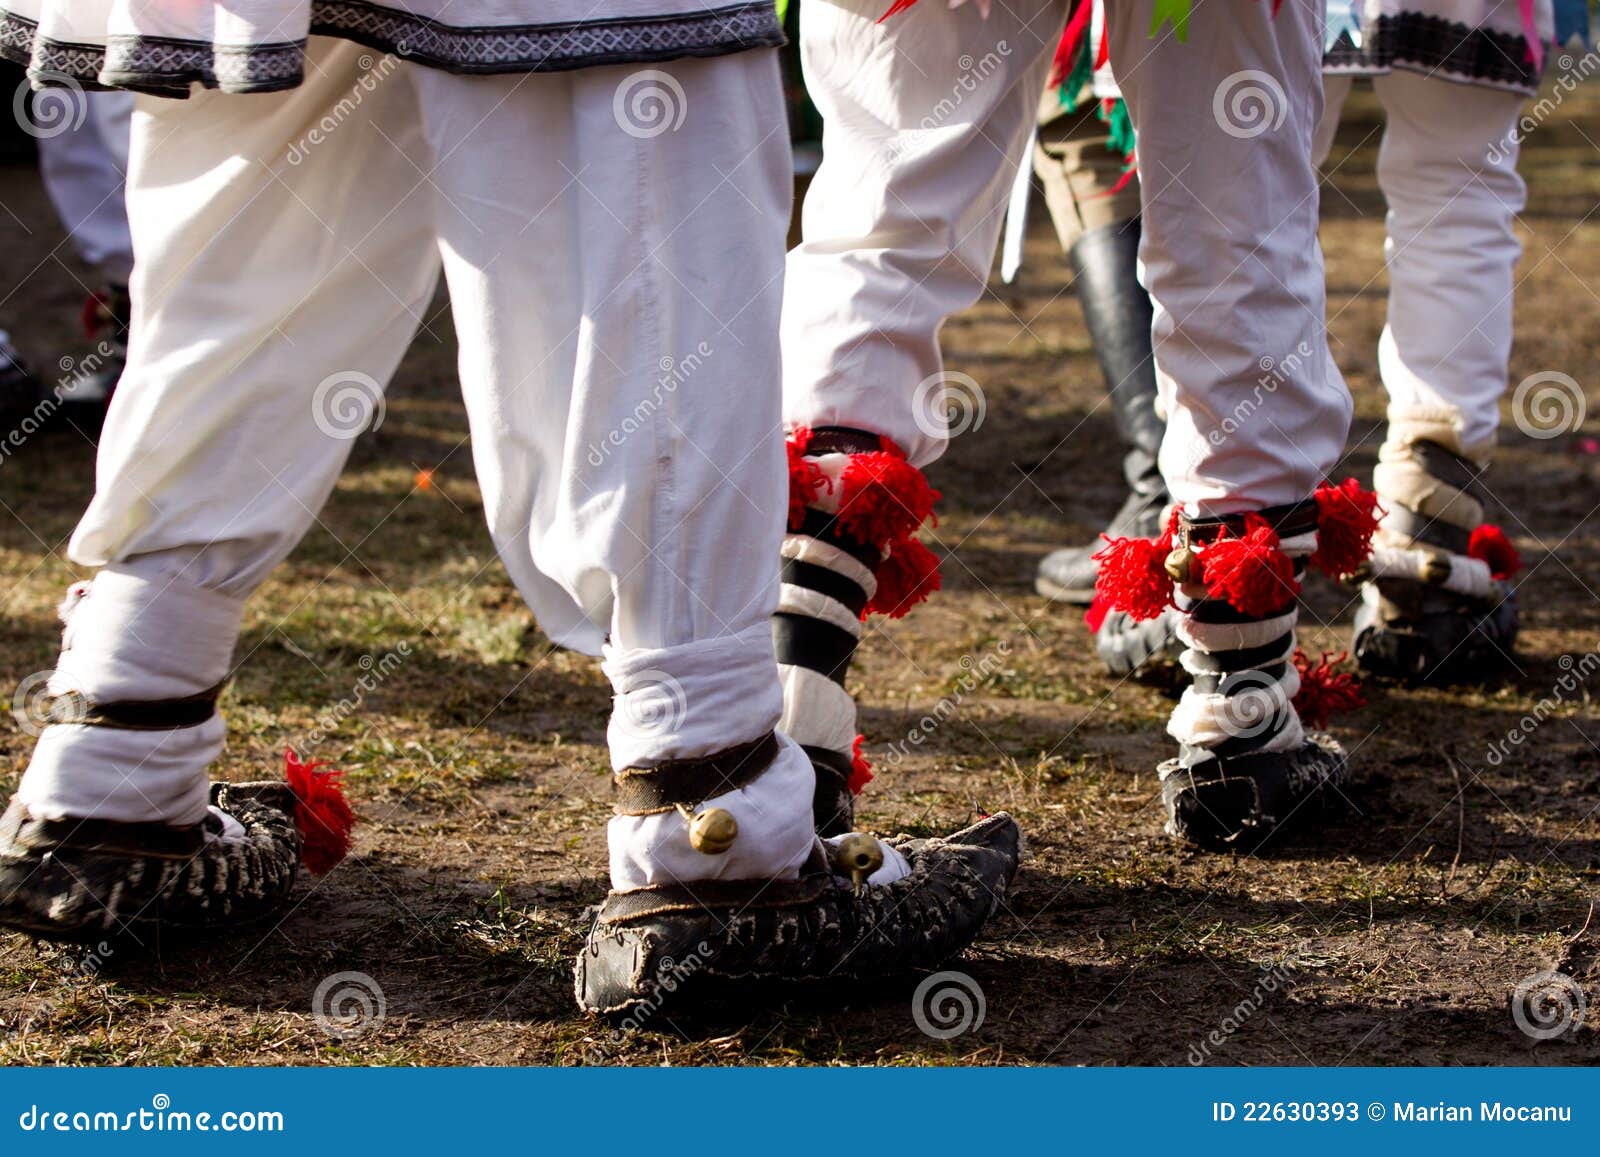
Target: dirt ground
{"points": [[477, 759]]}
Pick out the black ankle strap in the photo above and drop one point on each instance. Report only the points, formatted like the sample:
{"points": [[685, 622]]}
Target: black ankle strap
{"points": [[74, 707], [1288, 521], [645, 791]]}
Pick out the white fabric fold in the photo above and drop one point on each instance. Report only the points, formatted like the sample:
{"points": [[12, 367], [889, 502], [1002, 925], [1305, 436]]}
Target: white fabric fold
{"points": [[798, 600], [775, 832], [804, 548], [816, 711]]}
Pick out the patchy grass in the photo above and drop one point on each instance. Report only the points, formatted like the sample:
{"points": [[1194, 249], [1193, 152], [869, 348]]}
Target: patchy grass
{"points": [[478, 762]]}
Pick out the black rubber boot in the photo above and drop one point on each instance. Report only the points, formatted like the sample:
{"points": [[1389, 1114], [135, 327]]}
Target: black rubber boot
{"points": [[660, 946], [1233, 792], [1130, 647], [20, 393], [1417, 630], [93, 880], [1118, 313]]}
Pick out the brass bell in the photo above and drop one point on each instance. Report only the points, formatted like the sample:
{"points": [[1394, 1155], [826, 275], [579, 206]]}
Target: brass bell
{"points": [[712, 831], [1180, 564], [857, 856], [1436, 570]]}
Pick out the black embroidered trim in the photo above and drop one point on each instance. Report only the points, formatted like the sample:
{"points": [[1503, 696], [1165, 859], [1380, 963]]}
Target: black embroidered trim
{"points": [[1432, 44], [168, 67]]}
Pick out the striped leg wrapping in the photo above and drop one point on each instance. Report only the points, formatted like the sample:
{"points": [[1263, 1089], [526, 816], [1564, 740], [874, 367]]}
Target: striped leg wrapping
{"points": [[826, 585]]}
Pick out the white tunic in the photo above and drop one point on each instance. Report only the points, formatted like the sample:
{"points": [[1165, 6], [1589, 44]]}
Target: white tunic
{"points": [[259, 45]]}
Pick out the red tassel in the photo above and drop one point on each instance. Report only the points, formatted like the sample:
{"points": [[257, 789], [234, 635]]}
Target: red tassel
{"points": [[321, 812], [806, 478], [1347, 518], [1490, 544], [1071, 40], [898, 7], [1324, 691], [883, 498], [908, 576], [1249, 572], [1133, 577], [1095, 617], [860, 769]]}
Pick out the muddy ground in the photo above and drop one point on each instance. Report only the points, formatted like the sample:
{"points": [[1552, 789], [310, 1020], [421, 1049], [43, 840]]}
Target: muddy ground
{"points": [[1394, 936]]}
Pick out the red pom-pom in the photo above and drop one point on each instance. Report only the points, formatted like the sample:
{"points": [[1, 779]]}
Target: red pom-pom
{"points": [[1324, 691], [1095, 617], [1133, 577], [883, 498], [1249, 572], [1490, 544], [1347, 518], [906, 577], [806, 478], [321, 812], [860, 769]]}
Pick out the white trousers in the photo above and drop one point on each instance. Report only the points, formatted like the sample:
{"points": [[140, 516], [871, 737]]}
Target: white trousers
{"points": [[82, 166], [616, 284], [1257, 413], [1448, 171], [926, 118]]}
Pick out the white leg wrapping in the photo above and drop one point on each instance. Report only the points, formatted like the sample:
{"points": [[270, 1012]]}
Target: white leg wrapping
{"points": [[1234, 636], [774, 840], [804, 548], [135, 636], [798, 600], [816, 711], [694, 700]]}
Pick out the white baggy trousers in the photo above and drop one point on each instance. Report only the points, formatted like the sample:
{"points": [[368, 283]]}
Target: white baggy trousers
{"points": [[1448, 171], [613, 243], [926, 118]]}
